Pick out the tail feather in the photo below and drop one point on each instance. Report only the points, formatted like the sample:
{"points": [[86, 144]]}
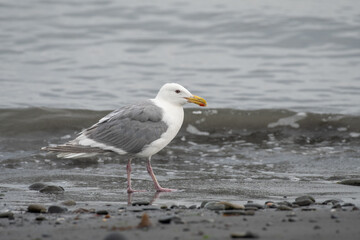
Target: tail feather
{"points": [[74, 151]]}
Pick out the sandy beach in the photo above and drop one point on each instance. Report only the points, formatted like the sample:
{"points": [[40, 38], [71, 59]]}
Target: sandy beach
{"points": [[332, 219]]}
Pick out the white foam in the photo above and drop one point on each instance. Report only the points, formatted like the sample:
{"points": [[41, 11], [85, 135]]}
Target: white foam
{"points": [[193, 130]]}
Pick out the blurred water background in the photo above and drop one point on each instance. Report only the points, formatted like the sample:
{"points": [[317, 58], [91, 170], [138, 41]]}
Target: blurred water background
{"points": [[282, 79]]}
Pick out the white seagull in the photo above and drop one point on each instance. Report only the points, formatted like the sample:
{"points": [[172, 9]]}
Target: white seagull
{"points": [[139, 130]]}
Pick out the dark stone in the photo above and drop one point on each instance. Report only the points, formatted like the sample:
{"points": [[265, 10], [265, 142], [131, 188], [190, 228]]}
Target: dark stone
{"points": [[115, 236], [203, 203], [52, 189], [37, 186], [102, 212], [246, 234], [36, 208], [140, 203], [348, 205], [338, 205], [56, 209], [9, 215], [215, 206], [331, 201], [165, 220], [253, 205], [284, 208], [193, 207], [304, 201], [228, 213], [286, 203], [351, 182]]}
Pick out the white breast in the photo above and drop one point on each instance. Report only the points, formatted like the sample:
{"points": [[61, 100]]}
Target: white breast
{"points": [[173, 116]]}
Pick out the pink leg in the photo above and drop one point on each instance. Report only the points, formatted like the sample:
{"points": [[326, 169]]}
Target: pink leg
{"points": [[152, 175], [128, 171]]}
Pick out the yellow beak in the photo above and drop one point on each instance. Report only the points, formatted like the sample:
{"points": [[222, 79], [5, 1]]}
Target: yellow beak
{"points": [[197, 100]]}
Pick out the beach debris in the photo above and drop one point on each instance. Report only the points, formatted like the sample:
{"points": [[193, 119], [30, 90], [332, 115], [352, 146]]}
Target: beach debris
{"points": [[56, 209], [246, 234], [36, 208], [145, 221], [52, 189], [351, 182]]}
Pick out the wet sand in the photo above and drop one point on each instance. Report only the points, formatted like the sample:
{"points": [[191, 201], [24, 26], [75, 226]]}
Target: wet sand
{"points": [[215, 220]]}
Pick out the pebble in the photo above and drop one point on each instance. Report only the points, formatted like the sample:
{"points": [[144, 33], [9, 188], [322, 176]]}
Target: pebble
{"points": [[254, 205], [102, 212], [215, 206], [36, 208], [169, 219], [52, 189], [304, 201], [141, 203], [286, 203], [193, 207], [115, 236], [69, 203], [284, 208], [232, 206], [37, 186], [351, 182], [56, 209], [246, 234], [331, 201], [203, 203], [9, 215]]}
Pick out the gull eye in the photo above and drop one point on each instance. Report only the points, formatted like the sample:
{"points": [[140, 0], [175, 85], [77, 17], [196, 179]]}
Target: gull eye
{"points": [[177, 91]]}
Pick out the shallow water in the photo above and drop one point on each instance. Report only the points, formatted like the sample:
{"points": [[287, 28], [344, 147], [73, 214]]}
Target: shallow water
{"points": [[218, 154], [282, 80]]}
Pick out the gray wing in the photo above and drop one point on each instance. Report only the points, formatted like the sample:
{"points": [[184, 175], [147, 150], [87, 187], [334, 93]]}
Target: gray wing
{"points": [[130, 128]]}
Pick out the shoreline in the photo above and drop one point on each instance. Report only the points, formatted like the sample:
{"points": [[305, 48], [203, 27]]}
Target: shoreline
{"points": [[301, 219]]}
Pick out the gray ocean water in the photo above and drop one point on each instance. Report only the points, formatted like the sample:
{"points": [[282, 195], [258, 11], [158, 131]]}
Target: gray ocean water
{"points": [[282, 79]]}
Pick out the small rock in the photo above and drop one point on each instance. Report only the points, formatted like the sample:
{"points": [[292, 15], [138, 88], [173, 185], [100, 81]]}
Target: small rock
{"points": [[338, 205], [52, 189], [203, 203], [215, 206], [246, 234], [36, 208], [9, 215], [115, 236], [254, 205], [286, 203], [232, 206], [102, 212], [331, 201], [141, 203], [348, 205], [284, 208], [145, 221], [56, 209], [351, 182], [316, 227], [270, 204], [37, 186], [84, 210], [193, 207], [304, 200], [163, 207], [69, 203], [165, 220]]}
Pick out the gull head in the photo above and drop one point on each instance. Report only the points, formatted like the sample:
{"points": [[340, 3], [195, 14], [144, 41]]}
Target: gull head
{"points": [[178, 95]]}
